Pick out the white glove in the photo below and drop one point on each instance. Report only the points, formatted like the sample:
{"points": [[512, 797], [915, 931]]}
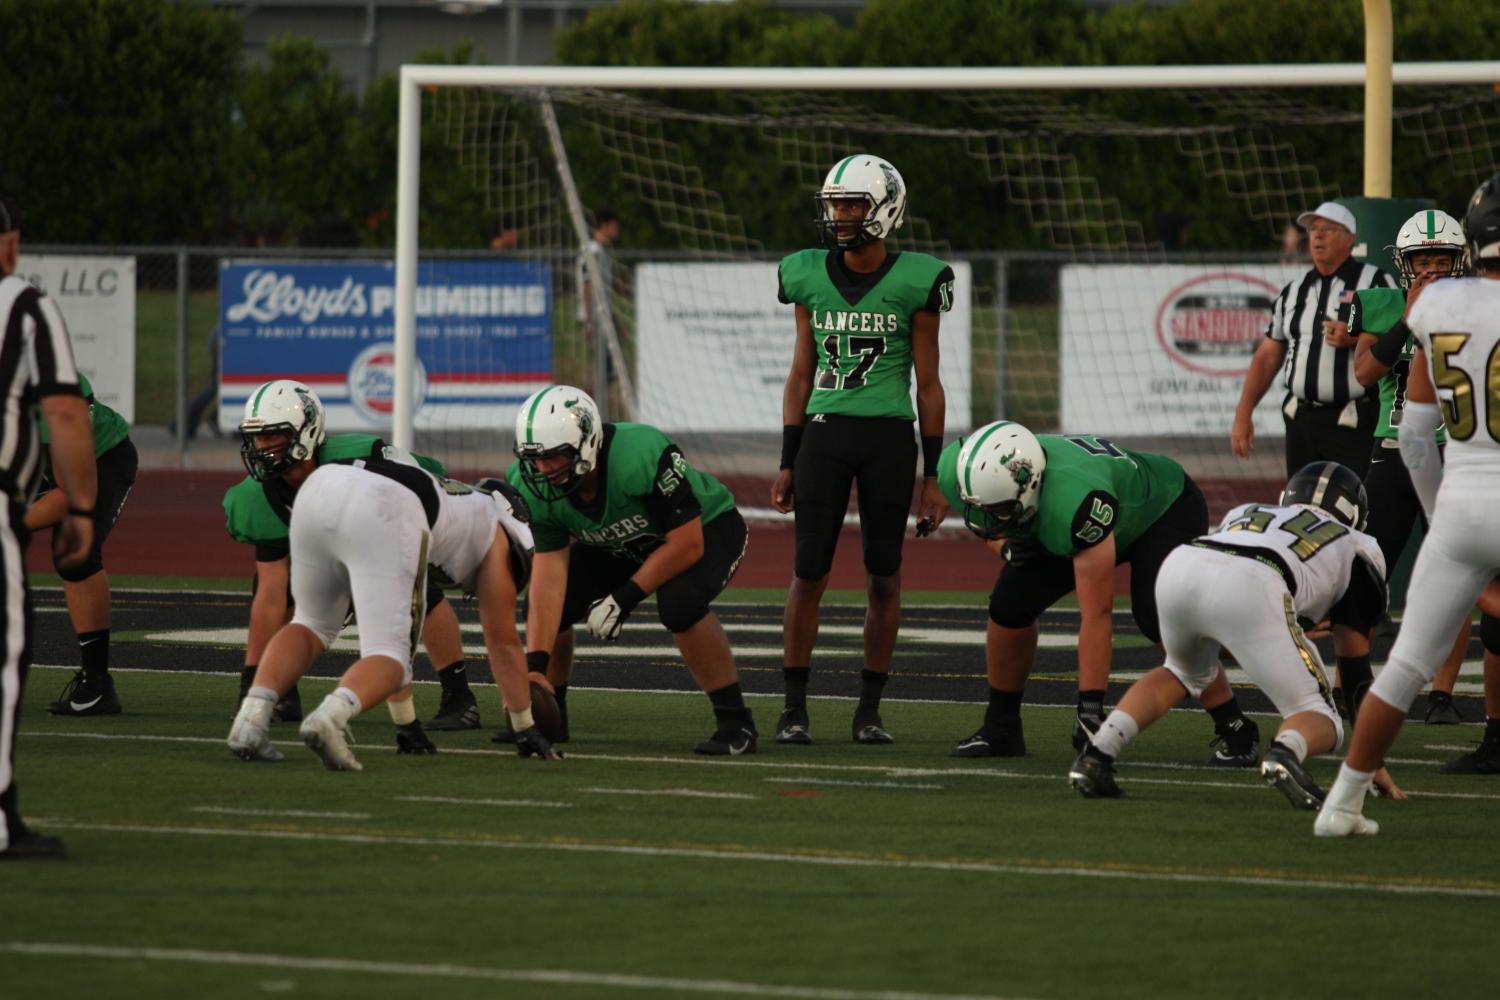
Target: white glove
{"points": [[605, 618]]}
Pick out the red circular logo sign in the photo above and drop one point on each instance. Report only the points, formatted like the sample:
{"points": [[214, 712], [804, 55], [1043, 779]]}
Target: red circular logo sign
{"points": [[372, 383], [1213, 324]]}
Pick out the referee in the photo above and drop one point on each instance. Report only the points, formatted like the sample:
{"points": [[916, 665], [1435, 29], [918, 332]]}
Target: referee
{"points": [[1329, 415], [36, 368]]}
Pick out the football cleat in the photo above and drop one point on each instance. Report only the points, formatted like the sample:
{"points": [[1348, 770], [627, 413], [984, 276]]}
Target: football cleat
{"points": [[731, 739], [250, 736], [1282, 771], [455, 712], [85, 695], [288, 707], [1483, 759], [1094, 776], [29, 845], [869, 729], [1441, 711], [411, 739], [1343, 823], [1004, 740], [1238, 744], [330, 741], [1084, 727], [792, 727]]}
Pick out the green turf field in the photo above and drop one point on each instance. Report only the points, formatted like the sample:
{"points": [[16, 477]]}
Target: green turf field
{"points": [[636, 869]]}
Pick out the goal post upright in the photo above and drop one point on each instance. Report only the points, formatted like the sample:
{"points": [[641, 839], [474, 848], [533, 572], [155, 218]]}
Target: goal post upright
{"points": [[419, 83]]}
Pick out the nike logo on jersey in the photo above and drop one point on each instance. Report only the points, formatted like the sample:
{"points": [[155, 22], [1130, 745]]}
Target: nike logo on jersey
{"points": [[84, 706]]}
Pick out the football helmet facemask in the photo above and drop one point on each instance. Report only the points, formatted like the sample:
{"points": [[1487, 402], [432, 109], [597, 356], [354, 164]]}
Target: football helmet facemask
{"points": [[558, 421], [291, 414], [1482, 224], [1428, 231], [1332, 487], [1000, 471], [871, 181]]}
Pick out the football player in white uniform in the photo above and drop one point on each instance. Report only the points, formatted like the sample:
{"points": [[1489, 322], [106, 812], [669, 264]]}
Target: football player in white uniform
{"points": [[371, 533], [1456, 324], [1250, 587]]}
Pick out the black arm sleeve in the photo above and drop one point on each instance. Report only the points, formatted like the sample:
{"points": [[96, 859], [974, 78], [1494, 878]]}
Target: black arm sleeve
{"points": [[1363, 602], [1387, 350], [672, 502]]}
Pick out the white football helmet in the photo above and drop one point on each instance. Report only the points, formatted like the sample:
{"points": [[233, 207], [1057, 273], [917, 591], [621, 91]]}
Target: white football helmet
{"points": [[280, 407], [1425, 231], [559, 420], [872, 180], [1000, 471]]}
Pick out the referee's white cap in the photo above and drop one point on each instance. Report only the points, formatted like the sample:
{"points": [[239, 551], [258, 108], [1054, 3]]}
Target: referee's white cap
{"points": [[1333, 212]]}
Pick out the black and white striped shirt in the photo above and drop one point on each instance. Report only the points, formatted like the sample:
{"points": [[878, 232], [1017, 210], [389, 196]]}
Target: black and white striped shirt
{"points": [[1314, 372], [36, 360]]}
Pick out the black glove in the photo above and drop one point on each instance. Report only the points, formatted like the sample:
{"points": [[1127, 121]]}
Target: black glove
{"points": [[925, 527], [531, 741], [412, 738]]}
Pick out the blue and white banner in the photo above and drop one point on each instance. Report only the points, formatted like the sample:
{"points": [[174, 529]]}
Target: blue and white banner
{"points": [[484, 338]]}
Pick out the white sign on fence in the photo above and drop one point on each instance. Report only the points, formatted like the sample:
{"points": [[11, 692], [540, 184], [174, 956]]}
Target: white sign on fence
{"points": [[1153, 350], [97, 299], [715, 345]]}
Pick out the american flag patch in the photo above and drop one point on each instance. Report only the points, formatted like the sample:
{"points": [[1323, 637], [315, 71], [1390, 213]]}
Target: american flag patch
{"points": [[1345, 298]]}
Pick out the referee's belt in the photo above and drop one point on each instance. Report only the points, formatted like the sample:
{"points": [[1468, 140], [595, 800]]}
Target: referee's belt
{"points": [[1263, 556], [1348, 412]]}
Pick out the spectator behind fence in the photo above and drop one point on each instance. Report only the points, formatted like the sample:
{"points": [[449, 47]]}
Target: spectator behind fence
{"points": [[36, 363], [1329, 415]]}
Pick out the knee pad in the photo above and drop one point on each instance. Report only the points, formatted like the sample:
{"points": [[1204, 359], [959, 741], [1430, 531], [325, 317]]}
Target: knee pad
{"points": [[679, 616], [1400, 682], [434, 598], [1011, 614], [883, 558], [1338, 731], [1489, 634], [93, 564]]}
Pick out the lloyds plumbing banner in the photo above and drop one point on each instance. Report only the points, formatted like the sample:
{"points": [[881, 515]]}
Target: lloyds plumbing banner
{"points": [[484, 338]]}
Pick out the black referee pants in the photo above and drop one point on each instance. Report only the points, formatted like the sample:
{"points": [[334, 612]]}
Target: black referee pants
{"points": [[15, 658], [1314, 435]]}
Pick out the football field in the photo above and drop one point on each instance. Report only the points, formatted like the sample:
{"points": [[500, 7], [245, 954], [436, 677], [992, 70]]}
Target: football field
{"points": [[635, 869]]}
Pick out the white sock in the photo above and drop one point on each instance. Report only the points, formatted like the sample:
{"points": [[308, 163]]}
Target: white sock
{"points": [[1349, 789], [348, 699], [264, 693], [1118, 730], [1293, 741]]}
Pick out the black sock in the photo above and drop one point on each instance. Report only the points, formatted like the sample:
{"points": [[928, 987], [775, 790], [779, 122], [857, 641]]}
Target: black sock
{"points": [[247, 680], [454, 678], [1091, 702], [871, 686], [729, 703], [94, 648], [1226, 713], [796, 685], [1004, 706], [1491, 730]]}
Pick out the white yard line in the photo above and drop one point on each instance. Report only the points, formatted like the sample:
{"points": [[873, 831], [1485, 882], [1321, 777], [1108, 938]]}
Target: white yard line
{"points": [[887, 862], [425, 970], [301, 813], [681, 793], [852, 784], [522, 803]]}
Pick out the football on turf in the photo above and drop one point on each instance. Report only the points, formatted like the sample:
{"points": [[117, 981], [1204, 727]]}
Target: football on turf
{"points": [[544, 711]]}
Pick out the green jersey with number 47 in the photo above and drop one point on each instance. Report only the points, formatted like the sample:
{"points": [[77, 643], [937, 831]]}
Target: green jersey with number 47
{"points": [[861, 326], [646, 489], [1090, 490]]}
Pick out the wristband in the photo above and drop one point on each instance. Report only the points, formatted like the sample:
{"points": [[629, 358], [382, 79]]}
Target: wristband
{"points": [[80, 512], [522, 720], [1387, 350], [537, 660], [791, 441], [932, 447], [628, 596]]}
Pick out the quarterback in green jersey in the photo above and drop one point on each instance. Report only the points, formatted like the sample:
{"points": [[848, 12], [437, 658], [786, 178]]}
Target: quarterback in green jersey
{"points": [[91, 690], [282, 442], [617, 513], [867, 317], [1429, 246], [1069, 509]]}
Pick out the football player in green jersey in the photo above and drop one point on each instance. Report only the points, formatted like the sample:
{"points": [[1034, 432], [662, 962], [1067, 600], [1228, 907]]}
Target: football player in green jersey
{"points": [[91, 691], [618, 514], [1069, 510], [282, 442], [1429, 246], [866, 317]]}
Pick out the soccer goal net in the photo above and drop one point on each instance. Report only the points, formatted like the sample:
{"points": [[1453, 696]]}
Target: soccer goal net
{"points": [[1116, 237]]}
